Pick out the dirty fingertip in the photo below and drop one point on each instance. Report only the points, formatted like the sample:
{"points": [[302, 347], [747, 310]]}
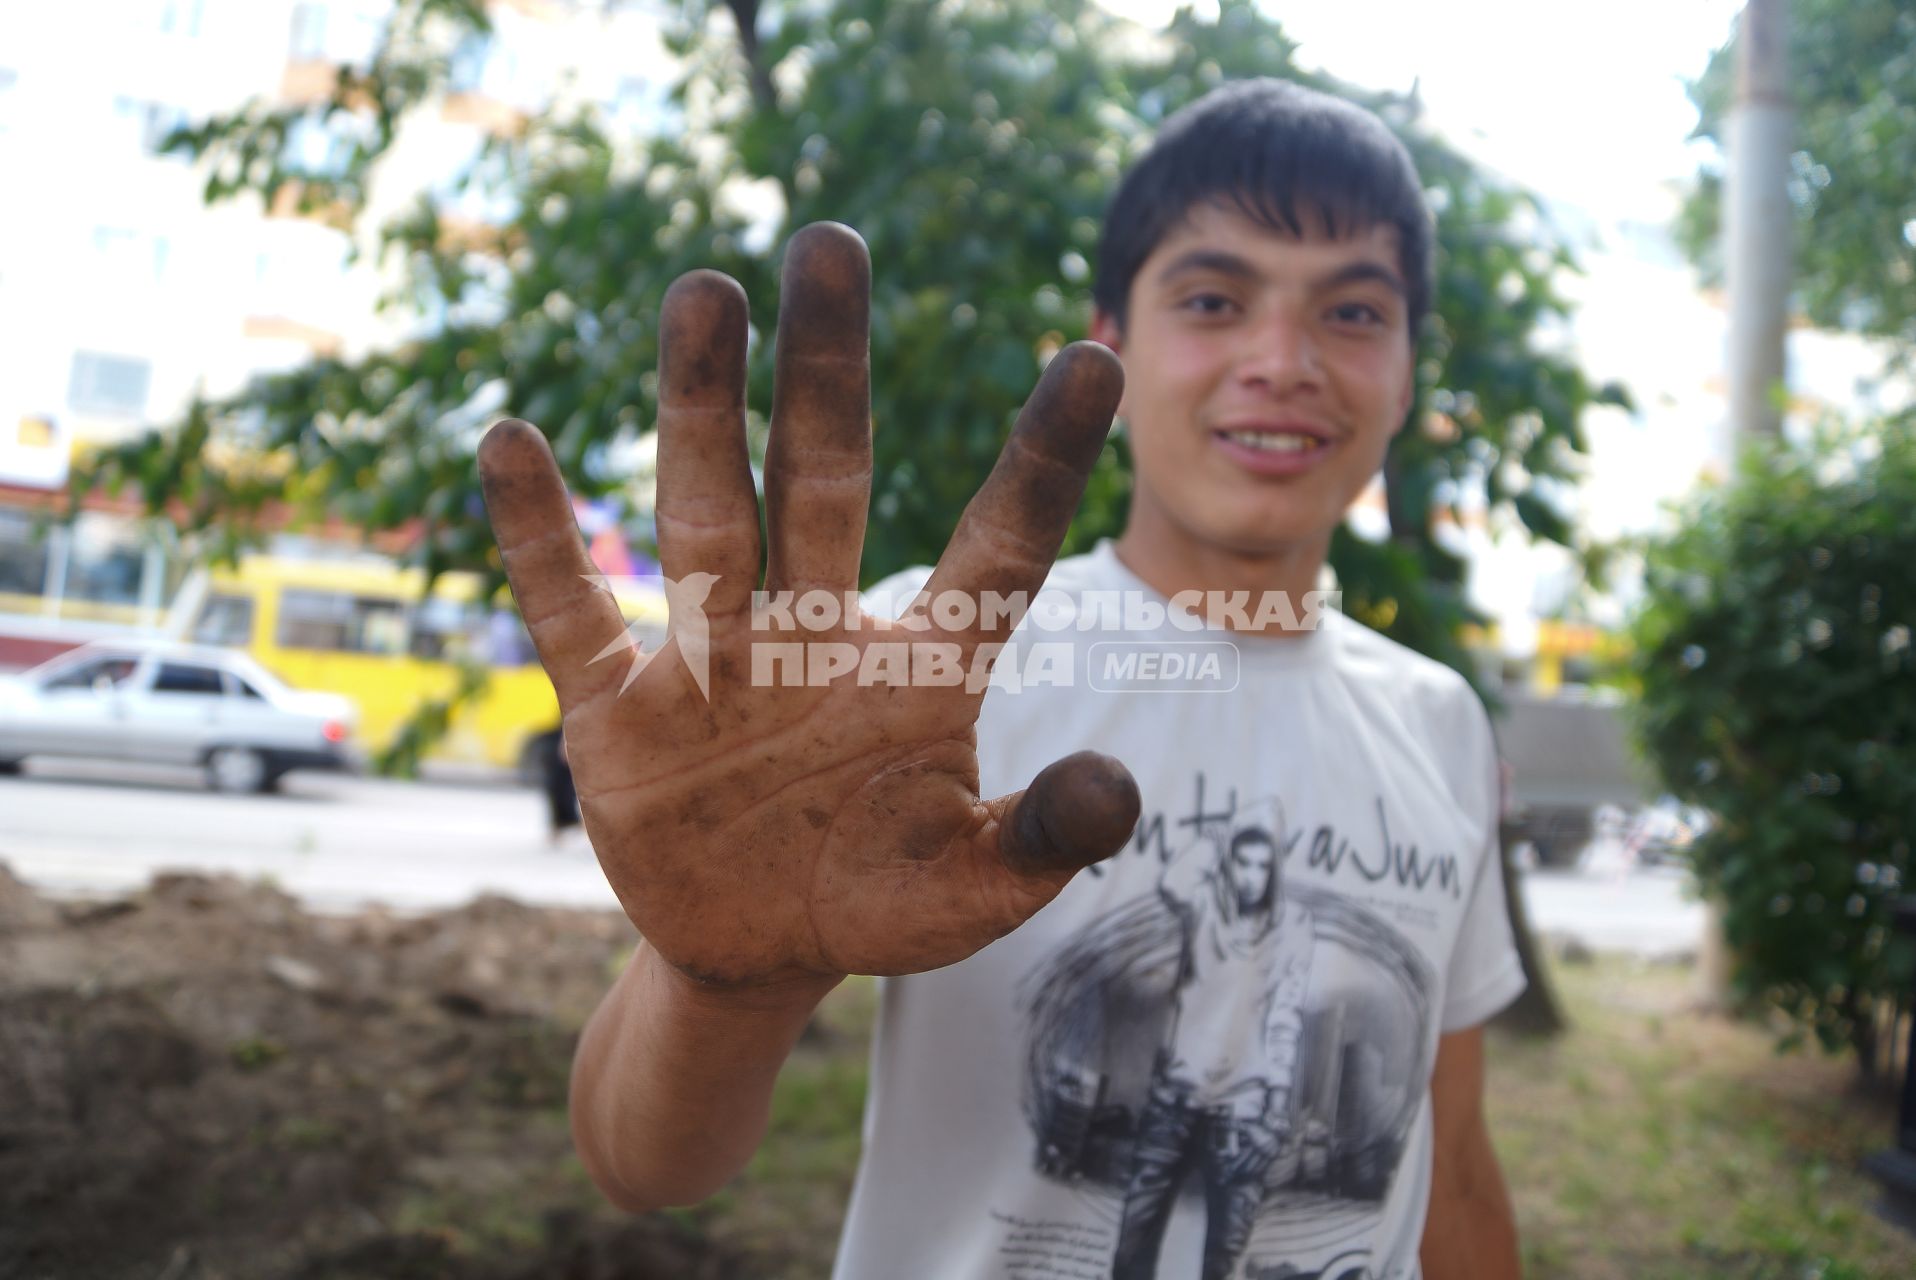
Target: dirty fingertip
{"points": [[1077, 811]]}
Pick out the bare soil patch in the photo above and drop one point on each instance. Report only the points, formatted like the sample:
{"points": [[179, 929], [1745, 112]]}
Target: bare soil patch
{"points": [[206, 1081]]}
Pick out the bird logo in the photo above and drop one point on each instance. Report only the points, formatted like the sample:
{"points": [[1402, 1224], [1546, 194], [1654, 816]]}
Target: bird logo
{"points": [[685, 622]]}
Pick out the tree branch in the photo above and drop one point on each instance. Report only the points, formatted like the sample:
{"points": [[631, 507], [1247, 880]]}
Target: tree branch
{"points": [[745, 14]]}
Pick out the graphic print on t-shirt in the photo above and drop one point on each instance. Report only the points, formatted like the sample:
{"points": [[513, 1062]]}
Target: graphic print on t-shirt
{"points": [[1238, 1038]]}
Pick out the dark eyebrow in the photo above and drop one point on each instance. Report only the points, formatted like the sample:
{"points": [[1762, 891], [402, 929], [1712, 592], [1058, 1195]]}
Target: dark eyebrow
{"points": [[1358, 272], [1213, 260]]}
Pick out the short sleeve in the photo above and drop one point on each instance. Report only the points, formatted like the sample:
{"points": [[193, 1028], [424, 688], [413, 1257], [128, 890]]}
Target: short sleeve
{"points": [[1485, 972]]}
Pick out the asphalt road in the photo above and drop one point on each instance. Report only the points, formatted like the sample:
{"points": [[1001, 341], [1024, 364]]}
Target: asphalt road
{"points": [[338, 843], [335, 842]]}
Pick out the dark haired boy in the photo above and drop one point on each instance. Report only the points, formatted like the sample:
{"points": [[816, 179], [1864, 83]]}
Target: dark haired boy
{"points": [[1080, 1068]]}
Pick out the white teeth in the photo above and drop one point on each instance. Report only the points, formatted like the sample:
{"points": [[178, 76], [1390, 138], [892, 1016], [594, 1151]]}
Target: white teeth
{"points": [[1272, 441]]}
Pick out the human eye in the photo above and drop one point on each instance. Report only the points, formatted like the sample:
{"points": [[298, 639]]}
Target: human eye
{"points": [[1207, 303], [1357, 314]]}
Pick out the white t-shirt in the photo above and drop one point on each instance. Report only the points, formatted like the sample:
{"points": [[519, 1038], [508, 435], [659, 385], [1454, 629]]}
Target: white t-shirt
{"points": [[1313, 889]]}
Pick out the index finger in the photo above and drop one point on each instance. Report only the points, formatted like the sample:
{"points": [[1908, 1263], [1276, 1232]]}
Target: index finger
{"points": [[1010, 533]]}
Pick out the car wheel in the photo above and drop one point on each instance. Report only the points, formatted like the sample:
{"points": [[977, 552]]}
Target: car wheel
{"points": [[9, 768], [236, 770]]}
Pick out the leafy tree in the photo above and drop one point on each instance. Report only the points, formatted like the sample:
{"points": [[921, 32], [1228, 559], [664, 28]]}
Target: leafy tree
{"points": [[972, 145], [1777, 689], [1853, 76]]}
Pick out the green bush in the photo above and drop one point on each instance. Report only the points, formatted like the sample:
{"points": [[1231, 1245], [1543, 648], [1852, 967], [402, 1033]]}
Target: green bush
{"points": [[1777, 689]]}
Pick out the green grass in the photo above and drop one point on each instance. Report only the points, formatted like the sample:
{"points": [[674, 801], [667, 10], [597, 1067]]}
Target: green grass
{"points": [[1656, 1142]]}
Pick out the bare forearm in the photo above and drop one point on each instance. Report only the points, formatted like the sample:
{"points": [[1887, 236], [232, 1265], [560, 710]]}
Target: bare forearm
{"points": [[672, 1083], [1471, 1233]]}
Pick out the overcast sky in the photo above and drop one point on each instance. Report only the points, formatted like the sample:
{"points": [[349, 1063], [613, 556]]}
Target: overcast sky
{"points": [[1581, 102]]}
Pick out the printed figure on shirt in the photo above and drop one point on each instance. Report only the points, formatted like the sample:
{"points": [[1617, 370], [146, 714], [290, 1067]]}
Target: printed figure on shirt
{"points": [[1220, 1100], [1225, 1040]]}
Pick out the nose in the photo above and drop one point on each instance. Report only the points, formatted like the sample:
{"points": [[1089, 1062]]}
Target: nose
{"points": [[1281, 355]]}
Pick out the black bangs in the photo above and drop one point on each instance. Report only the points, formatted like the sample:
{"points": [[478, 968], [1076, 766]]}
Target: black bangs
{"points": [[1288, 158]]}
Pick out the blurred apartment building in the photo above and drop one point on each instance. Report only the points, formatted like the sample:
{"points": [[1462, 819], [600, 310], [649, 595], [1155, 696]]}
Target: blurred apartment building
{"points": [[122, 294]]}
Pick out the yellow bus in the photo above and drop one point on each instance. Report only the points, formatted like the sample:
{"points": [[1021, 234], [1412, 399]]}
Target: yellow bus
{"points": [[363, 627]]}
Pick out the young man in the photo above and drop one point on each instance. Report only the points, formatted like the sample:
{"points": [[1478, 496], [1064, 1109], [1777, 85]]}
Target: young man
{"points": [[1115, 1053]]}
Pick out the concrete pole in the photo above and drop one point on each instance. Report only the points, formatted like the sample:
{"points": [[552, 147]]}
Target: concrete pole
{"points": [[1756, 256], [1757, 217]]}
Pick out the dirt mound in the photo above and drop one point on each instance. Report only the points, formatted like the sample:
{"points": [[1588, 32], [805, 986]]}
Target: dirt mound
{"points": [[205, 1081]]}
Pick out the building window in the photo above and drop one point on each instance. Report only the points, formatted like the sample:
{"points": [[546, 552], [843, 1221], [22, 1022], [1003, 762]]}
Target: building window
{"points": [[109, 384], [106, 562], [8, 79], [181, 17], [23, 555], [148, 123]]}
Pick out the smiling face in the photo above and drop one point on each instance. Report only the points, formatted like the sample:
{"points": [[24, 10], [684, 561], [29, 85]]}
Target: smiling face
{"points": [[1265, 374]]}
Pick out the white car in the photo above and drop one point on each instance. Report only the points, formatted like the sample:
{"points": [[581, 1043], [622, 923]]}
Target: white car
{"points": [[163, 703]]}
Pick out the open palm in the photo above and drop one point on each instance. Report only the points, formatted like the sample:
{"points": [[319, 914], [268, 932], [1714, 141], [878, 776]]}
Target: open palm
{"points": [[759, 830]]}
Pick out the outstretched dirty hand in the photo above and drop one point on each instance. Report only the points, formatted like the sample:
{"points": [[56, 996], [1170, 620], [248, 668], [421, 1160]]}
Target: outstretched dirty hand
{"points": [[758, 832]]}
